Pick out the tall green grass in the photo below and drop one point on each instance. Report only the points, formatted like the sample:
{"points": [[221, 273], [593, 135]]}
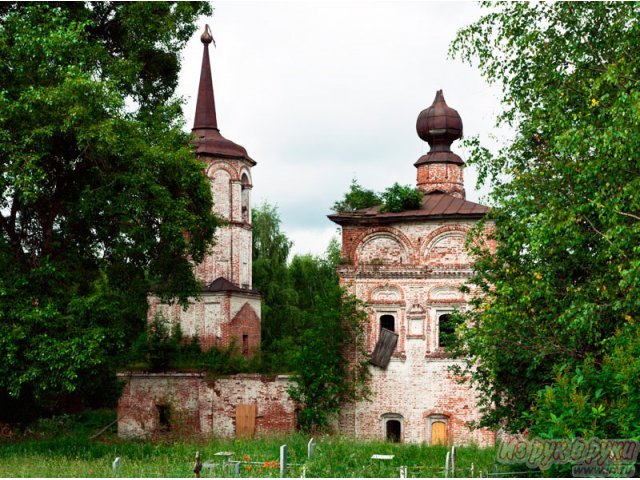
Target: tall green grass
{"points": [[61, 447]]}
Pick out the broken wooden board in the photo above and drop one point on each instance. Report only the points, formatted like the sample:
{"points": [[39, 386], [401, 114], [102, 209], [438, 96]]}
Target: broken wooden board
{"points": [[384, 348]]}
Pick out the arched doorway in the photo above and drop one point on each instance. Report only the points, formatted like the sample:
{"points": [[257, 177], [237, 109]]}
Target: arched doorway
{"points": [[394, 431], [438, 429]]}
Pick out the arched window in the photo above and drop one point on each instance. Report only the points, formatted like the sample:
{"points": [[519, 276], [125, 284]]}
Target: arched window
{"points": [[447, 329], [245, 198], [388, 322]]}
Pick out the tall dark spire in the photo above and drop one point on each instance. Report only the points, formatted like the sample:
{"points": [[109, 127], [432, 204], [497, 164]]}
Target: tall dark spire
{"points": [[205, 126], [206, 105]]}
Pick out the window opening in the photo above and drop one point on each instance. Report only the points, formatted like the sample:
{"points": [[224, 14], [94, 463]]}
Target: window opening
{"points": [[388, 322], [245, 344], [447, 328]]}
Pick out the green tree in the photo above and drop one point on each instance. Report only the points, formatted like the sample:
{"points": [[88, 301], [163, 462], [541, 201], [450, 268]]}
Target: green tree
{"points": [[356, 198], [559, 296], [100, 195], [313, 329], [271, 249], [331, 367]]}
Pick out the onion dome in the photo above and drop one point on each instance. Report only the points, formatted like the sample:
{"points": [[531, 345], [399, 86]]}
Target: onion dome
{"points": [[205, 127], [439, 125]]}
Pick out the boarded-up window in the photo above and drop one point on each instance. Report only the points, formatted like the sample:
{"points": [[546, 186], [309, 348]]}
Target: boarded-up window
{"points": [[384, 348], [245, 420]]}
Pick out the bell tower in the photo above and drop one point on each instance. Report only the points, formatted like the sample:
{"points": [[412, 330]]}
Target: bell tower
{"points": [[229, 172], [228, 310], [440, 170]]}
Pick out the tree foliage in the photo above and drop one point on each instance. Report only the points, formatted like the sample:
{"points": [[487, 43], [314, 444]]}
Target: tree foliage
{"points": [[553, 332], [314, 328], [356, 198], [396, 198], [100, 195]]}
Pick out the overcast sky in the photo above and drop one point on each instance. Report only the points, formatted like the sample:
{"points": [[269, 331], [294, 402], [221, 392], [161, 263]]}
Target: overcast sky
{"points": [[322, 92]]}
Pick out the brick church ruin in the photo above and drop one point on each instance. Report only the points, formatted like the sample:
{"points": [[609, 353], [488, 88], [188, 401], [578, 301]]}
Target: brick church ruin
{"points": [[407, 267]]}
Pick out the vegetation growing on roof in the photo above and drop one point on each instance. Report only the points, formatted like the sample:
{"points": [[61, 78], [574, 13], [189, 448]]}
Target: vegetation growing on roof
{"points": [[396, 198]]}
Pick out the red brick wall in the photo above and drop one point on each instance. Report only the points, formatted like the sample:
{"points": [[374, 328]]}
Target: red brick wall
{"points": [[201, 407], [245, 322], [443, 177], [417, 383]]}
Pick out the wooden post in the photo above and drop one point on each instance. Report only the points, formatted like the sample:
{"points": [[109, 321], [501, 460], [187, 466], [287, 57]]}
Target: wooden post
{"points": [[453, 461], [237, 469], [447, 462], [472, 470], [198, 466], [283, 461], [311, 446]]}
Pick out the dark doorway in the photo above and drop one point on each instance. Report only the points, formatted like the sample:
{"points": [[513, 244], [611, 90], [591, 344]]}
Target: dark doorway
{"points": [[394, 429], [388, 322], [164, 417]]}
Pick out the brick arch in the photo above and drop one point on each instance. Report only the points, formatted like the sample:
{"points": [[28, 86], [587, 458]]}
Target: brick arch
{"points": [[245, 322], [393, 233], [448, 292], [390, 287], [433, 237], [245, 171], [211, 170]]}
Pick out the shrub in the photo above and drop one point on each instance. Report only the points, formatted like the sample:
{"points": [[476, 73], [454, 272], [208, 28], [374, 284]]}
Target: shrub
{"points": [[398, 198]]}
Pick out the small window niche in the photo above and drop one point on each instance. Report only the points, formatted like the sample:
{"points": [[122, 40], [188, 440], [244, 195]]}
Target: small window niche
{"points": [[164, 417], [392, 424], [245, 345], [416, 327], [245, 198]]}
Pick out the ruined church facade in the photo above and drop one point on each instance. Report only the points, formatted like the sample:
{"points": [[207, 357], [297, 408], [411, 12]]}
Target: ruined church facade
{"points": [[408, 267]]}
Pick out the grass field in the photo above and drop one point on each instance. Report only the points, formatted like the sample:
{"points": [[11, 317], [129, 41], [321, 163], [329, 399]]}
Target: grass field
{"points": [[61, 447]]}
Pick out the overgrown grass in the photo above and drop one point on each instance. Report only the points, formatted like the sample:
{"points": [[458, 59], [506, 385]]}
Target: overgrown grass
{"points": [[61, 447]]}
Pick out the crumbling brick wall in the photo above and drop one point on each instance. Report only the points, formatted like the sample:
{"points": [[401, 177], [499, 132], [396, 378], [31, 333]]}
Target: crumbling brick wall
{"points": [[202, 407]]}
